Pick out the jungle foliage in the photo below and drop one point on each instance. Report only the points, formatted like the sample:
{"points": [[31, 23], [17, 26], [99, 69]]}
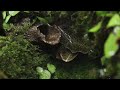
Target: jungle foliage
{"points": [[60, 44]]}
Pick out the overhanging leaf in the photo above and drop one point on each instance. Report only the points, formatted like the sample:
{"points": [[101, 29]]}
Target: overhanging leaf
{"points": [[96, 27], [13, 13], [7, 19], [111, 47], [114, 21]]}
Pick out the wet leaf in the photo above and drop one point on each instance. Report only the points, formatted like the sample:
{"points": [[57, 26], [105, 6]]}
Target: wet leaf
{"points": [[51, 68], [96, 27], [114, 21]]}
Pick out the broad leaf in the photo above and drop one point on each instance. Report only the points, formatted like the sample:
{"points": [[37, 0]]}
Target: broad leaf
{"points": [[114, 21], [111, 47]]}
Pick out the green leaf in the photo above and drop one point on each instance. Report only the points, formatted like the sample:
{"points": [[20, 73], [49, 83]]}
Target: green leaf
{"points": [[1, 52], [103, 59], [4, 14], [114, 21], [7, 18], [45, 75], [117, 31], [63, 14], [42, 20], [49, 19], [13, 13], [96, 27], [104, 14], [51, 68], [101, 13], [7, 26], [111, 47], [27, 11], [39, 70]]}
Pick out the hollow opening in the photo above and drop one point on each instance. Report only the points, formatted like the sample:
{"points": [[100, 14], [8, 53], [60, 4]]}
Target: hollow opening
{"points": [[43, 29]]}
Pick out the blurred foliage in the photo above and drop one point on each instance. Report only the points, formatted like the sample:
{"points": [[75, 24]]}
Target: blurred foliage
{"points": [[111, 45]]}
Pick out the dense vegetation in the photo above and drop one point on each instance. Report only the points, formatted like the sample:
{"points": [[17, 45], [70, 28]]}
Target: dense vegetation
{"points": [[59, 44]]}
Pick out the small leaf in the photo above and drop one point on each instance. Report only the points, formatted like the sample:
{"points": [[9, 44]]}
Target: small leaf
{"points": [[4, 14], [114, 21], [101, 13], [42, 20], [49, 19], [111, 47], [63, 14], [104, 14], [1, 52], [96, 27], [27, 11], [7, 18], [7, 27], [39, 70], [51, 68], [104, 60], [45, 75], [13, 13]]}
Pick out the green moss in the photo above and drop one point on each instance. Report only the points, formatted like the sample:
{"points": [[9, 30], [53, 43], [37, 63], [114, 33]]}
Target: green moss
{"points": [[81, 68], [19, 58]]}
